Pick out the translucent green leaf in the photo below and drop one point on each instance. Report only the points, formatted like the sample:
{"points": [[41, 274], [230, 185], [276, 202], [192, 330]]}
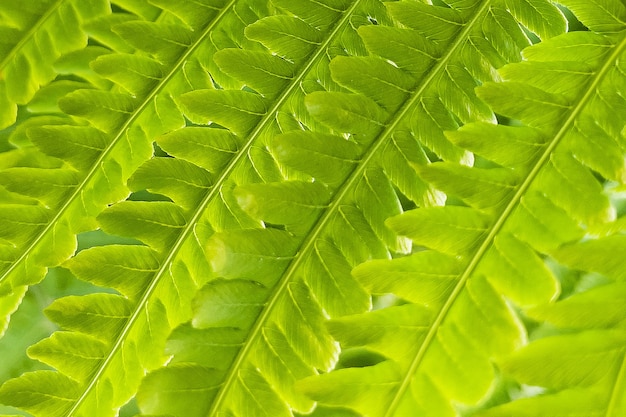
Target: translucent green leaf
{"points": [[351, 387], [236, 206], [161, 390], [235, 110], [424, 277], [346, 113], [590, 256], [266, 74], [563, 361], [390, 84], [538, 16], [287, 37], [34, 35], [83, 144], [100, 315], [572, 312], [136, 219], [599, 15], [183, 182], [458, 229], [228, 303], [135, 73], [74, 354], [504, 145], [334, 158], [164, 41], [127, 269], [41, 392], [234, 254], [267, 202], [217, 145], [518, 272], [531, 193]]}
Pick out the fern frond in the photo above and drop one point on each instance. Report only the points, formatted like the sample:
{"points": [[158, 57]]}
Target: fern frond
{"points": [[485, 253], [144, 10], [342, 159], [581, 368], [94, 162], [198, 184], [115, 135], [44, 240], [240, 258], [33, 35]]}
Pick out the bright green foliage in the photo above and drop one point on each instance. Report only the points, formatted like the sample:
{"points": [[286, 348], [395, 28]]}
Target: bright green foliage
{"points": [[347, 203], [517, 207], [77, 180], [33, 34], [583, 364], [274, 170], [100, 157]]}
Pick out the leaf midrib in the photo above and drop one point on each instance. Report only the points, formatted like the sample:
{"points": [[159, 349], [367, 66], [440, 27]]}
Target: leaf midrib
{"points": [[120, 340], [617, 391], [326, 217], [29, 34], [215, 190], [107, 151], [502, 219], [255, 332]]}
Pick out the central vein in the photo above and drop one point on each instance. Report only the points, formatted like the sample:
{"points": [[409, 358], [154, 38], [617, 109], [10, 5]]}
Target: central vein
{"points": [[119, 342], [501, 221], [342, 193], [255, 332]]}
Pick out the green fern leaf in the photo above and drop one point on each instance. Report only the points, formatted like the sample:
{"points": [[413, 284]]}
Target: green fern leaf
{"points": [[348, 218], [582, 365], [244, 253], [133, 327], [34, 35], [101, 156], [144, 10], [125, 124], [317, 117], [510, 213]]}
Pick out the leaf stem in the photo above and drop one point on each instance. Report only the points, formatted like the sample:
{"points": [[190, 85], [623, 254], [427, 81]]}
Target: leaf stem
{"points": [[282, 285], [617, 393], [119, 342], [499, 224], [31, 32]]}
